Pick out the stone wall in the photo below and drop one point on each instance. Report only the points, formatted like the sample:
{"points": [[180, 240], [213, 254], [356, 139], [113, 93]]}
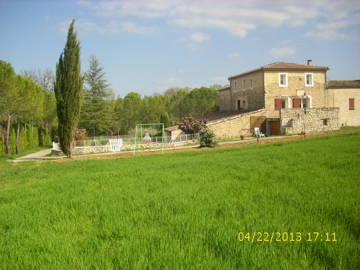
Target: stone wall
{"points": [[91, 149], [234, 126], [295, 121]]}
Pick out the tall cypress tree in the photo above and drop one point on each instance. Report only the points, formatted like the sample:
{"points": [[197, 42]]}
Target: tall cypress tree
{"points": [[68, 89]]}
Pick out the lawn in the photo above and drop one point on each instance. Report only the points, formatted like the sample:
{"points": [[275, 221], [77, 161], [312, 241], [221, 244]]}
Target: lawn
{"points": [[185, 210]]}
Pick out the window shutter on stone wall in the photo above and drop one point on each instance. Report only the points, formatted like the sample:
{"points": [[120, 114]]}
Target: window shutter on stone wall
{"points": [[296, 103], [351, 104], [277, 103]]}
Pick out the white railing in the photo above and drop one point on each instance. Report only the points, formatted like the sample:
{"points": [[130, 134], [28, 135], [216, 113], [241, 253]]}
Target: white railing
{"points": [[124, 143]]}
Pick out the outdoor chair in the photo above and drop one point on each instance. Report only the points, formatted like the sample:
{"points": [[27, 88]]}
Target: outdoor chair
{"points": [[258, 132]]}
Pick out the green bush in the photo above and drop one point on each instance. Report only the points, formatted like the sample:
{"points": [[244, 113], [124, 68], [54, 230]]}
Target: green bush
{"points": [[207, 138]]}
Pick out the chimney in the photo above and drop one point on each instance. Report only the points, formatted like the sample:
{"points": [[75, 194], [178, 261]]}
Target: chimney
{"points": [[309, 62]]}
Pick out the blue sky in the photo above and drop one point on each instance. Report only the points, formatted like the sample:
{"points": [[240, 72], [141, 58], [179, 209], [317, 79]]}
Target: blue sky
{"points": [[149, 46]]}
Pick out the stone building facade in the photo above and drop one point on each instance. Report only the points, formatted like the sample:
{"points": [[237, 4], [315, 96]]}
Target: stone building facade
{"points": [[286, 98], [289, 93], [346, 96]]}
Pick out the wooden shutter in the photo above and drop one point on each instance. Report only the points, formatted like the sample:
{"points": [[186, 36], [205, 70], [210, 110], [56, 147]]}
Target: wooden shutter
{"points": [[277, 103], [351, 104], [296, 103]]}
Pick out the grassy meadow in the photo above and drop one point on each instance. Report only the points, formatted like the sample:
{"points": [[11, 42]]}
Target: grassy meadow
{"points": [[185, 210]]}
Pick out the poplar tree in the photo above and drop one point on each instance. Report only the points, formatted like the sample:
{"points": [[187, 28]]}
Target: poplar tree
{"points": [[68, 89]]}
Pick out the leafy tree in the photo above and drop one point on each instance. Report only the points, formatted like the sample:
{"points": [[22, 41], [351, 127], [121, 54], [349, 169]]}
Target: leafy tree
{"points": [[97, 111], [153, 107], [9, 98], [178, 107], [68, 90], [119, 124], [132, 106], [201, 101], [164, 118], [30, 107], [217, 86], [43, 78]]}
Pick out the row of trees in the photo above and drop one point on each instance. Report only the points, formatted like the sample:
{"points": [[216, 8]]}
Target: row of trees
{"points": [[28, 99], [24, 106], [103, 114], [72, 100]]}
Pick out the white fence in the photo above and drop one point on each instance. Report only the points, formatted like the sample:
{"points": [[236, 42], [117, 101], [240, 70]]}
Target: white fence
{"points": [[128, 143]]}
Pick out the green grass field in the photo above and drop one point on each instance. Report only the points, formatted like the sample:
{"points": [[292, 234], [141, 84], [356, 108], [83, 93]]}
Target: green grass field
{"points": [[185, 210]]}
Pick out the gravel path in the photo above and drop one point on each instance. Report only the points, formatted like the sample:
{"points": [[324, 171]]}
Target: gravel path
{"points": [[41, 155]]}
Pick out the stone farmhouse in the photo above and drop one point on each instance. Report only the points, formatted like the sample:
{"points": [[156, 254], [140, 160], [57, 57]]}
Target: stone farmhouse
{"points": [[285, 98]]}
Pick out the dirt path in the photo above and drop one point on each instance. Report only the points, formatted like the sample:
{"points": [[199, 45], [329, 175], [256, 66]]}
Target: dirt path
{"points": [[41, 155]]}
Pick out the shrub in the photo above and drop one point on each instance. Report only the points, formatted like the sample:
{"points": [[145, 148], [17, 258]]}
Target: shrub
{"points": [[207, 138]]}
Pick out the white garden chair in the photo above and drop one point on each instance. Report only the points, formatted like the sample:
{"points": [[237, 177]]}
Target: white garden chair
{"points": [[258, 132]]}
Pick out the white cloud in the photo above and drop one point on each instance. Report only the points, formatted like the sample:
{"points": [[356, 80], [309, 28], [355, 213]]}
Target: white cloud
{"points": [[199, 37], [234, 55], [194, 41], [232, 16], [327, 35], [84, 3], [282, 52], [334, 29], [112, 27], [130, 27]]}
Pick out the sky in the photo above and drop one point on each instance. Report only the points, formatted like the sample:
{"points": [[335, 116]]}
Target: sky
{"points": [[148, 46]]}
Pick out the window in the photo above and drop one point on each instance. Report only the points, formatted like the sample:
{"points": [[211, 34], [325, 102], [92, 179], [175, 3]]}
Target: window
{"points": [[325, 122], [309, 80], [283, 103], [278, 103], [247, 84], [239, 105], [351, 104], [296, 103], [283, 80], [304, 103]]}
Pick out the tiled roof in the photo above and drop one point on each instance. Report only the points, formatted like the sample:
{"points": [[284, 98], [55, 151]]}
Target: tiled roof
{"points": [[225, 88], [292, 66], [283, 66], [344, 84]]}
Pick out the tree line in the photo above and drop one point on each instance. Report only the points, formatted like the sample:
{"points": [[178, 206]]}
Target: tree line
{"points": [[37, 106], [27, 102], [102, 114], [27, 112]]}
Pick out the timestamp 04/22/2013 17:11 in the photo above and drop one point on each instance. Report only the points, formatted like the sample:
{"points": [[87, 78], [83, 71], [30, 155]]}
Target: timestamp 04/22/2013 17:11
{"points": [[254, 237]]}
